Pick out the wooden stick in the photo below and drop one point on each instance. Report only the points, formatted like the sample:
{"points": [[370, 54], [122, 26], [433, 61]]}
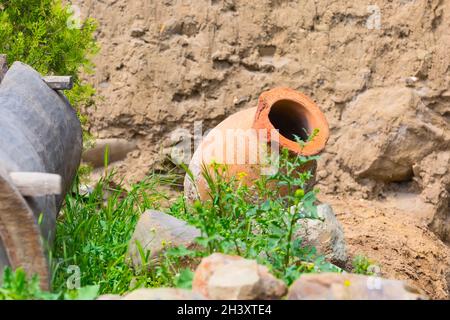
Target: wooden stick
{"points": [[36, 184], [59, 82]]}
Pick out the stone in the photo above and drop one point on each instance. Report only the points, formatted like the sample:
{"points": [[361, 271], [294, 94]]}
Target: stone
{"points": [[326, 235], [225, 277], [335, 286], [239, 281], [410, 81], [388, 130], [157, 231], [85, 190], [163, 294], [137, 32]]}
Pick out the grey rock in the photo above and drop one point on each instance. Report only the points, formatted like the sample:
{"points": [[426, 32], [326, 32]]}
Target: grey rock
{"points": [[157, 231], [326, 235], [85, 190], [388, 131]]}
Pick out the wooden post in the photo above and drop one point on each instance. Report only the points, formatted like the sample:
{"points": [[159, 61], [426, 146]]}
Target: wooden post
{"points": [[3, 66], [59, 82], [36, 184], [54, 82]]}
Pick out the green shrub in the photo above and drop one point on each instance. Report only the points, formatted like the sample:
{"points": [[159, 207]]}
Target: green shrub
{"points": [[259, 222], [39, 33]]}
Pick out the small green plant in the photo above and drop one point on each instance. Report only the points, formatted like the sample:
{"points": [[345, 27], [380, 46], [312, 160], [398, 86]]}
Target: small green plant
{"points": [[363, 265], [83, 293], [184, 279], [83, 174], [168, 270], [16, 286]]}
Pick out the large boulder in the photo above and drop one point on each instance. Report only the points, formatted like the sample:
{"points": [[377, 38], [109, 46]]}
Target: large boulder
{"points": [[325, 234], [432, 174], [387, 131], [334, 286], [225, 277], [157, 231]]}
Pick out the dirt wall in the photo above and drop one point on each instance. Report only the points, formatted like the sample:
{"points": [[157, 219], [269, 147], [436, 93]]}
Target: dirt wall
{"points": [[378, 69]]}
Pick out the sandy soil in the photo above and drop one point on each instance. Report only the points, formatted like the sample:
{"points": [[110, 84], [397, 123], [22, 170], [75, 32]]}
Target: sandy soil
{"points": [[395, 236]]}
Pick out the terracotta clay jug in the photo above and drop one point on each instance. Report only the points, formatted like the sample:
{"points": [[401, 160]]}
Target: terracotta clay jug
{"points": [[243, 139]]}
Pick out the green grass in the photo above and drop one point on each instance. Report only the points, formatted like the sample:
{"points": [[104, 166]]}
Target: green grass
{"points": [[93, 232], [17, 286], [255, 222]]}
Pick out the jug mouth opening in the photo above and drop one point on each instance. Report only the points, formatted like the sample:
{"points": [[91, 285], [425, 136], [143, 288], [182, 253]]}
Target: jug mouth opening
{"points": [[290, 118], [293, 115]]}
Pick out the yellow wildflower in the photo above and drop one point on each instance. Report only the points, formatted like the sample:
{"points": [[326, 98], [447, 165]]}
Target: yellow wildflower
{"points": [[241, 175]]}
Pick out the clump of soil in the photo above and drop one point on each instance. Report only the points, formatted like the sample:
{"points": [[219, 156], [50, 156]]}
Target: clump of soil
{"points": [[394, 234], [166, 64]]}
